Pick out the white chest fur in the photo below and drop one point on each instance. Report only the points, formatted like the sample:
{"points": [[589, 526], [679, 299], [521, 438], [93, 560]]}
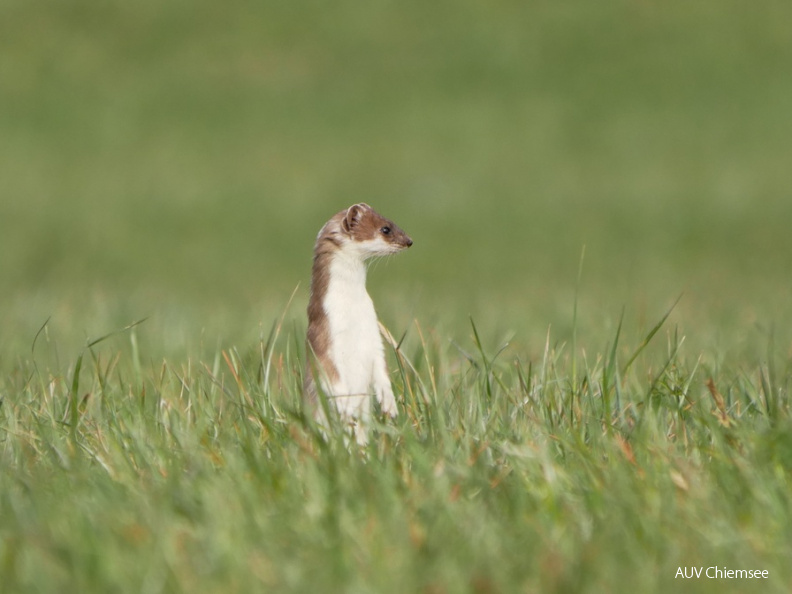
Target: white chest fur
{"points": [[355, 344]]}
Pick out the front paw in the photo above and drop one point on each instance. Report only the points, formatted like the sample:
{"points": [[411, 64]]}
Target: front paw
{"points": [[388, 407]]}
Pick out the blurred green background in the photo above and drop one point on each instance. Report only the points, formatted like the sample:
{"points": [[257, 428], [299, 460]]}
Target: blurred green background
{"points": [[174, 160]]}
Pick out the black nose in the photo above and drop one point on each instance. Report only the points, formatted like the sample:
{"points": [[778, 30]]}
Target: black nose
{"points": [[409, 242]]}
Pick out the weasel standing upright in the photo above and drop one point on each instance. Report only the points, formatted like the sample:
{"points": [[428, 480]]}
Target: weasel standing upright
{"points": [[343, 331]]}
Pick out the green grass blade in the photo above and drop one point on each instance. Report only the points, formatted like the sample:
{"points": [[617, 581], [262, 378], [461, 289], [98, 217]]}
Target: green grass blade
{"points": [[648, 338]]}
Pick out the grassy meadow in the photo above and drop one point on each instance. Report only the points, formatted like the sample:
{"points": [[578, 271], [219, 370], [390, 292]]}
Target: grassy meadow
{"points": [[595, 320]]}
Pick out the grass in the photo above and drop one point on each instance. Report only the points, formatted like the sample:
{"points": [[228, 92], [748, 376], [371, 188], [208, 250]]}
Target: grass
{"points": [[172, 162], [500, 475]]}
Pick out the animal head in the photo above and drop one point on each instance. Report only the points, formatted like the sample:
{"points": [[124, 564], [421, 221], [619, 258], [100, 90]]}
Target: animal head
{"points": [[371, 233]]}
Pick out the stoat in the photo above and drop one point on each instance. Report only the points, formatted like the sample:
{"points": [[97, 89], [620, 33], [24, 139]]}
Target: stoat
{"points": [[343, 332]]}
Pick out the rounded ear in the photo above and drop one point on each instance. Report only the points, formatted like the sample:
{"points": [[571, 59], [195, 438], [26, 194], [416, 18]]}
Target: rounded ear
{"points": [[353, 215]]}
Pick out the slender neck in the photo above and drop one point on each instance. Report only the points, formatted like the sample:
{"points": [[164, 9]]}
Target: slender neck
{"points": [[348, 268]]}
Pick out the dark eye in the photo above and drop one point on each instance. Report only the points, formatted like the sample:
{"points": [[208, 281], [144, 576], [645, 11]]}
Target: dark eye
{"points": [[385, 230]]}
